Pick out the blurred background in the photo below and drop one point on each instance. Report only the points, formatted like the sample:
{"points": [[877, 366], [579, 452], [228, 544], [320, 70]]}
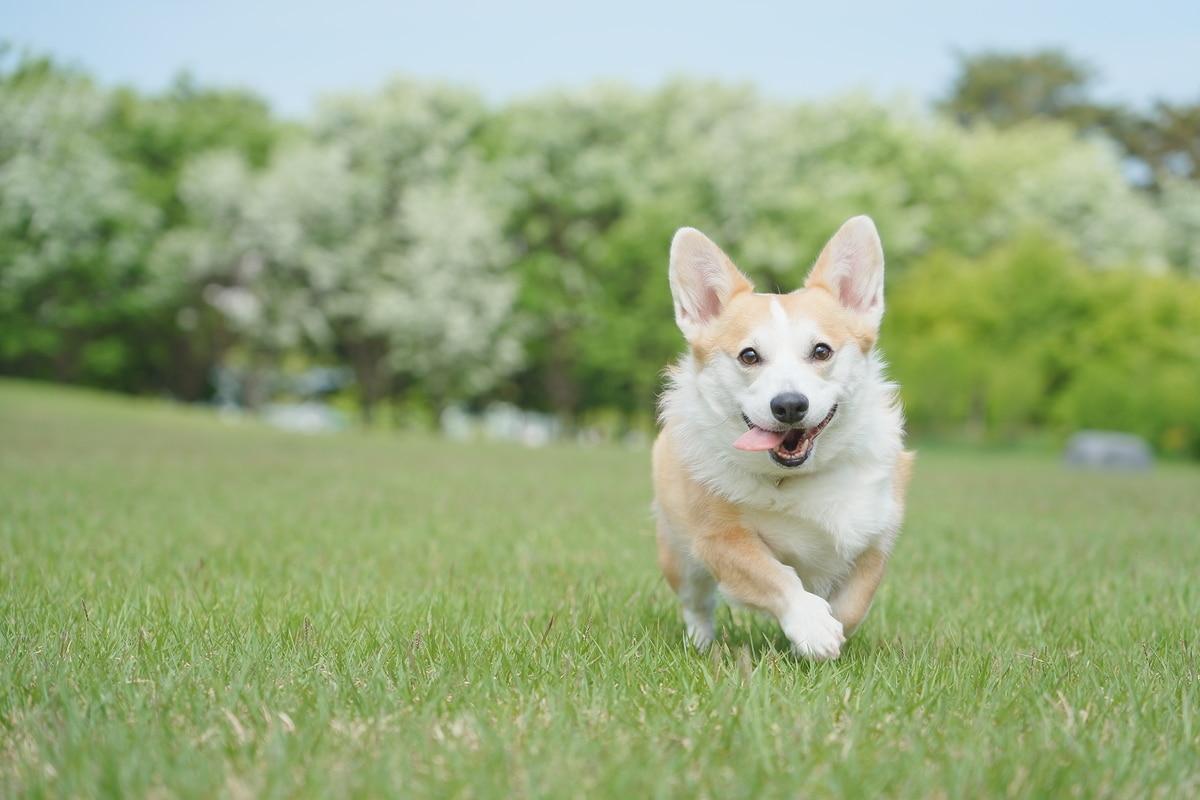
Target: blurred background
{"points": [[457, 218]]}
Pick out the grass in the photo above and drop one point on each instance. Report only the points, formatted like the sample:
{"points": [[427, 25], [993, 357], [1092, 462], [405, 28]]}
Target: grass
{"points": [[192, 608]]}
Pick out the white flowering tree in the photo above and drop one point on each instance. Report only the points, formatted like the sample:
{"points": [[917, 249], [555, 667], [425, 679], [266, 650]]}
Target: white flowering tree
{"points": [[427, 299], [374, 243], [260, 248]]}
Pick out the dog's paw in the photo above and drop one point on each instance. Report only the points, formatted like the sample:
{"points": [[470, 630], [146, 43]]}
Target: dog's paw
{"points": [[812, 629], [700, 629]]}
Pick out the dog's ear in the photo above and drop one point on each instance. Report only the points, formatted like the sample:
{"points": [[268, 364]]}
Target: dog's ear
{"points": [[703, 280], [851, 269]]}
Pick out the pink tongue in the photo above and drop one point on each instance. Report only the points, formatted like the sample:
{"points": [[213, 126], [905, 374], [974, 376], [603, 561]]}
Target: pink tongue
{"points": [[758, 439]]}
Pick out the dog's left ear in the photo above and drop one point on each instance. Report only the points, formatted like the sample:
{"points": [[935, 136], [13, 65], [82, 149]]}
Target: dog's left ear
{"points": [[851, 269]]}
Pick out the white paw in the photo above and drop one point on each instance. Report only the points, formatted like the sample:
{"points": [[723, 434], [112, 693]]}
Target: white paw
{"points": [[811, 628], [699, 629]]}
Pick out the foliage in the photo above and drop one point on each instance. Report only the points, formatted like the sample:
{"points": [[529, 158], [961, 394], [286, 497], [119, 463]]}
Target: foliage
{"points": [[1029, 337], [423, 300], [1181, 212], [88, 185], [251, 259], [158, 135], [1164, 140], [1006, 88], [451, 252], [73, 232], [770, 183], [1160, 143]]}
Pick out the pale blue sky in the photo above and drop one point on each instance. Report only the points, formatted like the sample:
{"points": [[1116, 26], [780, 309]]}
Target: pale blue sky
{"points": [[291, 51]]}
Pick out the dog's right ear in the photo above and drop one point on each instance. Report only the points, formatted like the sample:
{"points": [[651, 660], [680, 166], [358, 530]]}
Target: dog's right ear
{"points": [[703, 280]]}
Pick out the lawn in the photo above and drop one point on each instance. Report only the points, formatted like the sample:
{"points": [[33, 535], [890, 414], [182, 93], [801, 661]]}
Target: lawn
{"points": [[190, 607]]}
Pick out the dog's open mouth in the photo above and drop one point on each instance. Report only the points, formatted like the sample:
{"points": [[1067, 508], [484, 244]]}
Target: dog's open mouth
{"points": [[790, 447]]}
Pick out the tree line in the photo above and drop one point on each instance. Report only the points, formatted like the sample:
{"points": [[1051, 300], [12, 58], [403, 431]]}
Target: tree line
{"points": [[1043, 249]]}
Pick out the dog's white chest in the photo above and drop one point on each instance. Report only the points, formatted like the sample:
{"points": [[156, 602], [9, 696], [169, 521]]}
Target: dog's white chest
{"points": [[820, 529], [803, 545]]}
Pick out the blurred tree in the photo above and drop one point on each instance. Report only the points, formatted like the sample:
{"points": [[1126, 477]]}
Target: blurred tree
{"points": [[426, 303], [599, 180], [569, 164], [73, 233], [1028, 337], [1008, 88], [1043, 176], [1164, 141], [157, 135], [452, 252], [257, 251], [1160, 146], [1005, 89], [1181, 216], [90, 180]]}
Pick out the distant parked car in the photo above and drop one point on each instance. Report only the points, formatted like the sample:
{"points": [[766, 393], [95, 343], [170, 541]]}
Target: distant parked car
{"points": [[309, 417], [1108, 450]]}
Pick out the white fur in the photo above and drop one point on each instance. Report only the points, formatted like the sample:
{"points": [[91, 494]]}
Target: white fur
{"points": [[817, 518], [810, 626], [785, 345]]}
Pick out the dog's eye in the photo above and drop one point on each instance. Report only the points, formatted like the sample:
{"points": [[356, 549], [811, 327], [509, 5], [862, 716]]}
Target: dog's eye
{"points": [[749, 357], [822, 351]]}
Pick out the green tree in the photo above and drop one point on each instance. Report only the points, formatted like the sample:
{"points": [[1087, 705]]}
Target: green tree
{"points": [[157, 135], [1005, 89], [1028, 337], [1161, 142], [73, 233], [1164, 140]]}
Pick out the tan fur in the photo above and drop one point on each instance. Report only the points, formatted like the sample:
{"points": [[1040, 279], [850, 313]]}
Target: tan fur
{"points": [[746, 310], [668, 562], [853, 600], [738, 559], [840, 325]]}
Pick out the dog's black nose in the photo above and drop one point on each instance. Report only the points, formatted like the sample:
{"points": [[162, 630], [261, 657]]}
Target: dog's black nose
{"points": [[789, 407]]}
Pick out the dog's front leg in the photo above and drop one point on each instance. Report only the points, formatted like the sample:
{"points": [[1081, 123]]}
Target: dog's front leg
{"points": [[749, 573], [853, 600]]}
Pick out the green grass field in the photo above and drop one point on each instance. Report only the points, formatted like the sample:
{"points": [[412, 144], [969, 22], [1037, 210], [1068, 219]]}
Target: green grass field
{"points": [[192, 608]]}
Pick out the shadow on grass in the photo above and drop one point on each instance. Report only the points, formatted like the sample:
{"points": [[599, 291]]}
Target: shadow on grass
{"points": [[746, 639]]}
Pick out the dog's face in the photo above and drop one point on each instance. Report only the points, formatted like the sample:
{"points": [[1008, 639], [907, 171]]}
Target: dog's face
{"points": [[780, 364]]}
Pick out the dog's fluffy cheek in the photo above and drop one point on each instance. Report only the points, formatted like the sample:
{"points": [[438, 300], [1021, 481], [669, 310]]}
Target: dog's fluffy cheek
{"points": [[849, 370], [720, 388]]}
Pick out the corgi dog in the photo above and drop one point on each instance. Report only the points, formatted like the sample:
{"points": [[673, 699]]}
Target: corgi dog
{"points": [[780, 471]]}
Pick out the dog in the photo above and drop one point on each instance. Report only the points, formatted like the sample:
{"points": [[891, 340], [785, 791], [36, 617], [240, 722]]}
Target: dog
{"points": [[780, 471]]}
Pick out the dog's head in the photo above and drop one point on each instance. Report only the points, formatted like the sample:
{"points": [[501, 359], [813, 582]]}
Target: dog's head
{"points": [[781, 362]]}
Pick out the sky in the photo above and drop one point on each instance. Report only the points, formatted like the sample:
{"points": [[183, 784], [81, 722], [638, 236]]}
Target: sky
{"points": [[291, 52]]}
